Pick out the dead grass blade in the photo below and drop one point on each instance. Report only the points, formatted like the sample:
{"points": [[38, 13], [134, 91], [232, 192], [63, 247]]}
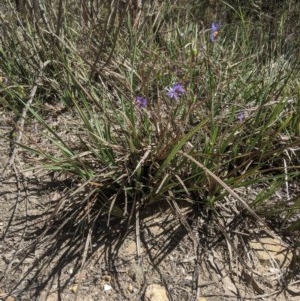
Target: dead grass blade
{"points": [[88, 242]]}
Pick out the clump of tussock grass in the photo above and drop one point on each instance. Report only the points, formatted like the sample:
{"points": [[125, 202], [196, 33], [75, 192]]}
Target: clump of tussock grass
{"points": [[236, 124]]}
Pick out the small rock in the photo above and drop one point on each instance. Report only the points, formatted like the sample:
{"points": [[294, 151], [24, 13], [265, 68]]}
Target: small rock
{"points": [[70, 270], [106, 278], [156, 292], [130, 288], [107, 287], [10, 298], [55, 196], [130, 248], [74, 288], [268, 249]]}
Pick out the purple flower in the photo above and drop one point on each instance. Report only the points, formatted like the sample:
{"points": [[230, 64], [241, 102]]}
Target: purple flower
{"points": [[215, 27], [175, 91], [4, 80], [241, 116], [141, 102]]}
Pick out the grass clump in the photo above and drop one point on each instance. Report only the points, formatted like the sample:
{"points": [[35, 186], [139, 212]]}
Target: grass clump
{"points": [[159, 113]]}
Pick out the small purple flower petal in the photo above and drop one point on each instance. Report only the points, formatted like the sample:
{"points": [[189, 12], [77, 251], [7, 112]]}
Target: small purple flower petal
{"points": [[241, 116], [141, 102], [176, 91], [172, 94], [4, 80], [215, 27]]}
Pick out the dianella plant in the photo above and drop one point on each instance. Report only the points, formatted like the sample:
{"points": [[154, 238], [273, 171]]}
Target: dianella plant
{"points": [[153, 105]]}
